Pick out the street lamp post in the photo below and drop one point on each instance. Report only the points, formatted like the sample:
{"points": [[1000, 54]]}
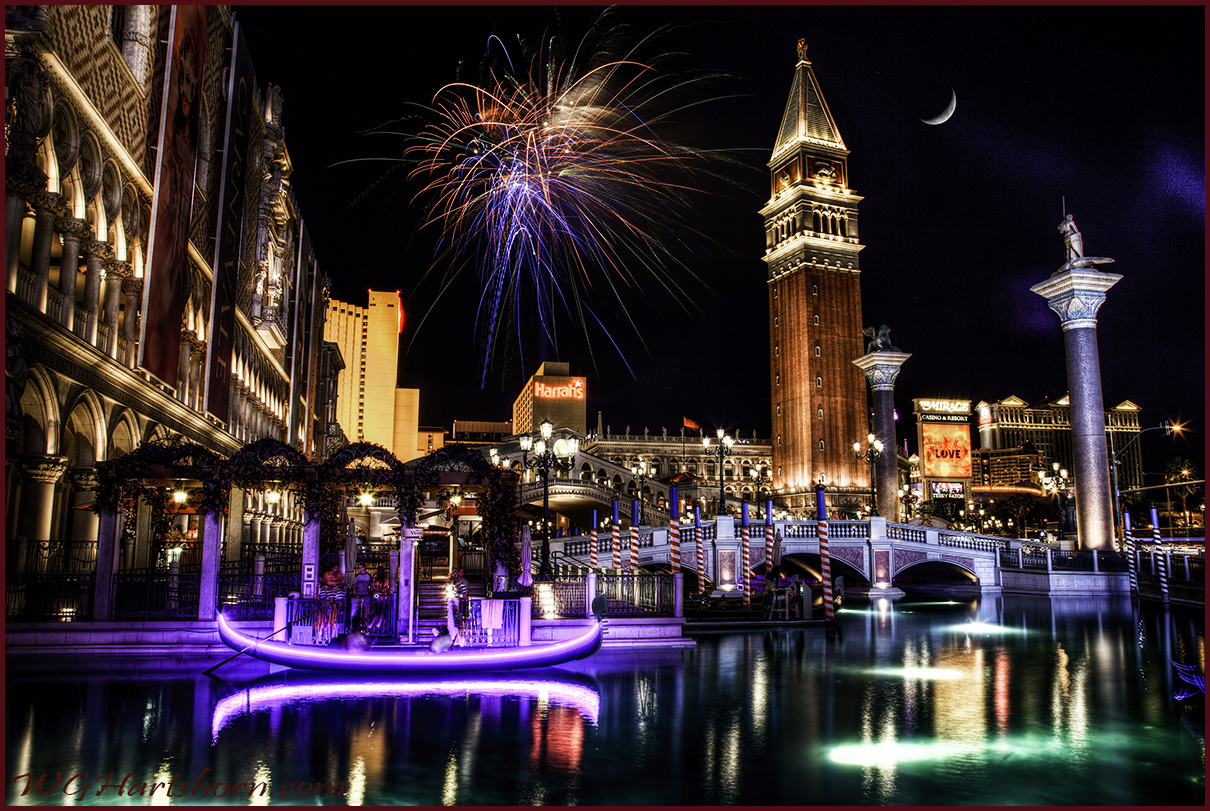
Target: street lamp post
{"points": [[640, 470], [1056, 485], [759, 479], [548, 456], [722, 451], [873, 453], [1168, 428]]}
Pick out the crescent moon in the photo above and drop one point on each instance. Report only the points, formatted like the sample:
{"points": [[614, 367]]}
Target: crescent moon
{"points": [[945, 116]]}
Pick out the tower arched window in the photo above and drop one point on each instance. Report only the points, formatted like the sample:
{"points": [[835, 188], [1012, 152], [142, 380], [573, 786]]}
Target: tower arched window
{"points": [[775, 318], [817, 352], [815, 321], [821, 444], [815, 224], [779, 440], [777, 351], [814, 290], [843, 229], [819, 412], [819, 382], [779, 380]]}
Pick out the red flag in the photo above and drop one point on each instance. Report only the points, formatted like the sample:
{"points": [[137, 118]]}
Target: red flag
{"points": [[691, 424]]}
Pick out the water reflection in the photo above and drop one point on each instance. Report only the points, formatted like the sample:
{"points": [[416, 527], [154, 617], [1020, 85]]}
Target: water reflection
{"points": [[1005, 701]]}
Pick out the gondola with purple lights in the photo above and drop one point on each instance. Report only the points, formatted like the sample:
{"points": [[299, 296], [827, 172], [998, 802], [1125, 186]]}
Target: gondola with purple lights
{"points": [[458, 660]]}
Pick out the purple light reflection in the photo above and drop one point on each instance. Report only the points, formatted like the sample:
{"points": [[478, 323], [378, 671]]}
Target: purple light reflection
{"points": [[583, 699]]}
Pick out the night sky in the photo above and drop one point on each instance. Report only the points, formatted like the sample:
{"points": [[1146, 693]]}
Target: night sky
{"points": [[959, 220]]}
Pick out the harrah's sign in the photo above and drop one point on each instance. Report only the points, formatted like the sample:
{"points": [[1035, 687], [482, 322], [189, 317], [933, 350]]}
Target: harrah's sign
{"points": [[572, 390]]}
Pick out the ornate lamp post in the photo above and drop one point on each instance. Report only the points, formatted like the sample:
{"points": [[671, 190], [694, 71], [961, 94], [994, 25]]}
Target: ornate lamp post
{"points": [[873, 453], [909, 500], [1055, 485], [640, 470], [547, 458], [722, 451], [759, 479]]}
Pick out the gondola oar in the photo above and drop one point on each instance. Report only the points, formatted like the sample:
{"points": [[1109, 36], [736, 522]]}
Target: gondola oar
{"points": [[242, 652]]}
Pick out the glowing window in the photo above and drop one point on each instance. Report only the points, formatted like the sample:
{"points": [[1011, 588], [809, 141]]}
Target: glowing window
{"points": [[814, 290], [816, 321], [817, 353], [779, 439], [821, 444], [819, 413], [819, 382]]}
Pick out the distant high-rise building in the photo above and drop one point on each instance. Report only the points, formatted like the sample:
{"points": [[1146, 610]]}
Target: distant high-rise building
{"points": [[811, 248]]}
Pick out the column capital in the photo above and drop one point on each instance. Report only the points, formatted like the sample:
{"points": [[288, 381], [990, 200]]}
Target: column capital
{"points": [[132, 287], [97, 248], [73, 227], [115, 269], [1076, 296], [85, 478], [881, 367], [48, 201], [44, 469], [23, 179]]}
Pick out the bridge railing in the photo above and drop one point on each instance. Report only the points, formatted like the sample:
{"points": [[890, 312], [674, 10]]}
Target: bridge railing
{"points": [[638, 594]]}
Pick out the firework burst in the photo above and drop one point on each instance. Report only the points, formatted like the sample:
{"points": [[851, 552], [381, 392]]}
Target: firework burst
{"points": [[558, 187]]}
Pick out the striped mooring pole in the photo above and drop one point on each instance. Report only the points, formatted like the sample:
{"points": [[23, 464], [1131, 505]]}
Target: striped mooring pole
{"points": [[634, 535], [616, 529], [1132, 560], [592, 549], [829, 607], [1161, 560], [701, 550], [745, 580], [674, 535]]}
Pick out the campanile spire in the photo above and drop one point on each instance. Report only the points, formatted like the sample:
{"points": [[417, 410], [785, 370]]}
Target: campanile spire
{"points": [[811, 251]]}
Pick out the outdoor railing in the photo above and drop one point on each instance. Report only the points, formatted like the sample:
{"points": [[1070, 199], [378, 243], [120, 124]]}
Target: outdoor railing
{"points": [[1197, 570], [1111, 561], [1033, 558], [315, 621], [49, 596], [1008, 558], [53, 556], [156, 593], [967, 542], [507, 635], [249, 596], [560, 596], [1071, 560], [901, 533], [636, 594]]}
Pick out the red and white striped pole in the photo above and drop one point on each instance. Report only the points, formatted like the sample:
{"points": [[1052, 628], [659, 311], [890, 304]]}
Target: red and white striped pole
{"points": [[701, 550], [592, 549], [745, 534], [1161, 560], [674, 535], [1131, 557], [768, 538], [616, 529], [634, 535], [829, 607]]}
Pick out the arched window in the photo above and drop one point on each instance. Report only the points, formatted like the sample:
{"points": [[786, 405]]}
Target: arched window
{"points": [[777, 351], [821, 444], [817, 352], [779, 411], [816, 321], [814, 290], [774, 292], [819, 413], [843, 229], [775, 318], [819, 382], [779, 380], [779, 440], [815, 222]]}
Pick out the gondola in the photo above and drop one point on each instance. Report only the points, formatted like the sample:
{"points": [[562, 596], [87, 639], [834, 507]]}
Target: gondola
{"points": [[457, 660]]}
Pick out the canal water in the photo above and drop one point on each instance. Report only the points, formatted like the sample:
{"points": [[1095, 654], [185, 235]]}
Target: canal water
{"points": [[1013, 700]]}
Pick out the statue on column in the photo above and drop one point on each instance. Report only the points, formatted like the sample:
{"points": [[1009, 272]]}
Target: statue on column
{"points": [[1073, 241], [880, 339]]}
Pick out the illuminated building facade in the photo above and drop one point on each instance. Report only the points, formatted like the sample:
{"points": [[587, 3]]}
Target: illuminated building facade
{"points": [[551, 394], [159, 280], [811, 248], [370, 406], [1012, 422]]}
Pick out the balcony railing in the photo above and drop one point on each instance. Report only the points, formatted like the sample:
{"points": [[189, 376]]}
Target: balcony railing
{"points": [[156, 593], [49, 596]]}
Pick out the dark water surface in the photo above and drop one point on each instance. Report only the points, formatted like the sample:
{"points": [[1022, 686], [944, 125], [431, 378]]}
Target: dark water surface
{"points": [[1013, 700]]}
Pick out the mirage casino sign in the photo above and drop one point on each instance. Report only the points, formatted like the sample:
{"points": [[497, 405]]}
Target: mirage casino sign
{"points": [[944, 434], [953, 411], [573, 389]]}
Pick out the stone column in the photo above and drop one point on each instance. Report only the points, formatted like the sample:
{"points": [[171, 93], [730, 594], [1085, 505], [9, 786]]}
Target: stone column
{"points": [[212, 542], [182, 366], [47, 206], [20, 183], [73, 231], [881, 367], [133, 288], [38, 495], [1075, 294], [115, 272], [197, 359], [96, 253], [84, 523], [108, 552]]}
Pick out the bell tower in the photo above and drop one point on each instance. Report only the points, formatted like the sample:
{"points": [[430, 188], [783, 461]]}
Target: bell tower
{"points": [[811, 250]]}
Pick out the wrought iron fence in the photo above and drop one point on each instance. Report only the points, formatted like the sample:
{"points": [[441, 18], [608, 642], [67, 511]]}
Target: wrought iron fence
{"points": [[1197, 570], [1071, 560], [248, 596], [1111, 561], [53, 556], [1033, 558], [314, 621], [560, 596], [1008, 558], [507, 633], [156, 593], [49, 596], [635, 594]]}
